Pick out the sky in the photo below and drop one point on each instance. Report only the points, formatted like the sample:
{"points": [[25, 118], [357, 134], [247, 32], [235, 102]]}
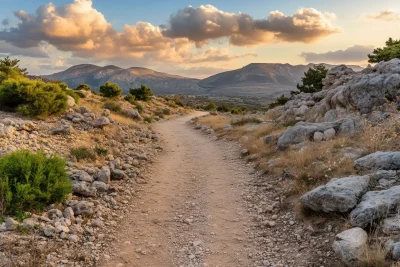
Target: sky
{"points": [[193, 38]]}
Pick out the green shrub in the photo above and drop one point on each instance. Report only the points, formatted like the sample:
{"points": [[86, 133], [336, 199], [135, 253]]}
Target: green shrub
{"points": [[148, 119], [280, 101], [73, 94], [84, 87], [178, 101], [31, 181], [130, 98], [83, 153], [113, 106], [80, 94], [312, 80], [211, 106], [110, 90], [390, 51], [143, 93], [32, 98], [166, 111], [139, 107], [101, 151]]}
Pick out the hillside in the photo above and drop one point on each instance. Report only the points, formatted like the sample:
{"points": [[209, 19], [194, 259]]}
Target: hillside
{"points": [[95, 76], [265, 80]]}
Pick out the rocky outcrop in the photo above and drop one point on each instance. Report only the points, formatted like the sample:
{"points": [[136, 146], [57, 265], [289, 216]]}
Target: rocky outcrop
{"points": [[379, 161], [303, 131], [375, 205], [339, 195], [347, 92]]}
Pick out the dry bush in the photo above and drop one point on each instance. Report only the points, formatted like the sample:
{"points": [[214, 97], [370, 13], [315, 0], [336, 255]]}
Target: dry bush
{"points": [[383, 137], [315, 164], [215, 122]]}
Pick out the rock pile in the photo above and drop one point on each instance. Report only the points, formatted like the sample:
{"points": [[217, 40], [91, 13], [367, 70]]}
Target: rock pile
{"points": [[372, 199]]}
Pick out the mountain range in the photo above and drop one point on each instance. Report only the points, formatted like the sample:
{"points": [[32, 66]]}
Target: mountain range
{"points": [[266, 80]]}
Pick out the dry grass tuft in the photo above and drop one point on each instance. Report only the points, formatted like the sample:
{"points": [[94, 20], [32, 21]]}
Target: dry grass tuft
{"points": [[216, 122], [383, 137]]}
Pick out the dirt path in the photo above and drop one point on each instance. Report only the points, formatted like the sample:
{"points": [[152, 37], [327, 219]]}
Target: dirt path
{"points": [[192, 211]]}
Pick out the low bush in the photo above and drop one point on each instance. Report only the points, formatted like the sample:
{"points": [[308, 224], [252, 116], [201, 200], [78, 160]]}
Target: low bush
{"points": [[211, 106], [73, 94], [148, 119], [246, 120], [280, 101], [110, 90], [139, 107], [161, 112], [80, 94], [130, 98], [83, 153], [31, 181], [85, 87], [113, 106], [32, 98], [101, 151], [143, 93]]}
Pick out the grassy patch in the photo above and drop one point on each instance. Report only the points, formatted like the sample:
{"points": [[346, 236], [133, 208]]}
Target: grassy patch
{"points": [[83, 153]]}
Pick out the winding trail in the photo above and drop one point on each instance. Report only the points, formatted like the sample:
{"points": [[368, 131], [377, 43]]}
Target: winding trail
{"points": [[192, 212]]}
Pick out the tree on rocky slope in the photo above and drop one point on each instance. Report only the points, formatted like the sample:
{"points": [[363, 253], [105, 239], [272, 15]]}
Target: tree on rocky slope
{"points": [[391, 51], [142, 93], [110, 90], [312, 80]]}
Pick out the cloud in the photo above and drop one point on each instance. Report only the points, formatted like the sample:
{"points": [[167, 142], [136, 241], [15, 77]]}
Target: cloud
{"points": [[386, 15], [355, 53], [36, 52], [82, 30], [5, 22], [208, 23]]}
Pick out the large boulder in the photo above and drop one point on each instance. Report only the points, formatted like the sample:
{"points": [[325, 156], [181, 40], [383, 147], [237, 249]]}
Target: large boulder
{"points": [[350, 245], [84, 208], [339, 195], [375, 205], [379, 161], [101, 122]]}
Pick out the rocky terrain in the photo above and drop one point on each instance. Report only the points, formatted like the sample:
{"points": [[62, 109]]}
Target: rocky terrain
{"points": [[265, 80], [336, 156], [78, 231]]}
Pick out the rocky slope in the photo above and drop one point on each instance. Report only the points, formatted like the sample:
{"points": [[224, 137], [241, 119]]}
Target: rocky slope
{"points": [[95, 76], [266, 80], [338, 152], [76, 232]]}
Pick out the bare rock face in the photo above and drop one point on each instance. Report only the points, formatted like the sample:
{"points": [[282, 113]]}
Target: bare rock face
{"points": [[350, 245], [305, 131], [339, 195], [375, 205], [379, 161]]}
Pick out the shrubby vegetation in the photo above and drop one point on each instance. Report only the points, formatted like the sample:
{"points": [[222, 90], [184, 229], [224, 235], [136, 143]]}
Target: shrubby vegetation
{"points": [[33, 98], [84, 87], [390, 51], [280, 101], [83, 153], [211, 106], [143, 93], [130, 98], [110, 90], [312, 80], [31, 181], [113, 106]]}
